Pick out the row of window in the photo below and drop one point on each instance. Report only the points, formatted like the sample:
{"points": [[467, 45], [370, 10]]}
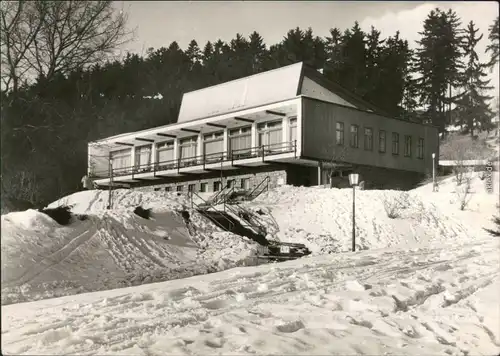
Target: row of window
{"points": [[239, 142], [368, 140], [203, 187]]}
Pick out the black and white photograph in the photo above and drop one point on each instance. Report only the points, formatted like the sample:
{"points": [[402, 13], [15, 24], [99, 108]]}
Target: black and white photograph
{"points": [[250, 178]]}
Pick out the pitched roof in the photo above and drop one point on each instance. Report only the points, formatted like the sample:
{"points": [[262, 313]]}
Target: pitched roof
{"points": [[256, 90], [266, 88]]}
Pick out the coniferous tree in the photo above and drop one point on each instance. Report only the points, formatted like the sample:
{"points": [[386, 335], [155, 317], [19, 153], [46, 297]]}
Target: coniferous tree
{"points": [[472, 107], [494, 46], [439, 63], [257, 52], [193, 53], [353, 73]]}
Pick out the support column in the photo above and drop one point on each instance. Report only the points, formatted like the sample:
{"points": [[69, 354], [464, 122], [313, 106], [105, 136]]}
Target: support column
{"points": [[225, 144], [320, 173], [153, 154], [176, 149], [254, 138], [199, 147], [285, 133], [132, 159]]}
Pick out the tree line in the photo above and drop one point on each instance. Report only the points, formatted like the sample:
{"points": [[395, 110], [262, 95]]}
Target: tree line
{"points": [[62, 86]]}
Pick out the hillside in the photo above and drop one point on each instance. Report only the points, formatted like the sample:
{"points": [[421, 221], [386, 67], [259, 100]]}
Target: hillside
{"points": [[116, 248]]}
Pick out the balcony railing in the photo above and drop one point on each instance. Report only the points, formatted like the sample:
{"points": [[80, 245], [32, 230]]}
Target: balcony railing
{"points": [[206, 159]]}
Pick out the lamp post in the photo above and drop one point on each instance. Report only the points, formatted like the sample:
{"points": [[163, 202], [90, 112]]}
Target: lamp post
{"points": [[433, 172], [110, 181], [353, 181]]}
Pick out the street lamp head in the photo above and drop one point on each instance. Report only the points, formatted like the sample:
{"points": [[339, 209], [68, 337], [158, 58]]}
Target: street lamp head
{"points": [[433, 155], [353, 179]]}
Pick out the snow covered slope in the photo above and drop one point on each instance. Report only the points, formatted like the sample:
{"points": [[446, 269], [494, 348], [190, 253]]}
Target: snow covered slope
{"points": [[110, 249], [322, 218], [115, 248], [432, 300]]}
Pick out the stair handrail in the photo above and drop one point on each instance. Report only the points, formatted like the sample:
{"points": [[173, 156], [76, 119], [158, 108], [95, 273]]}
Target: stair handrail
{"points": [[200, 209], [265, 180], [259, 227], [214, 198]]}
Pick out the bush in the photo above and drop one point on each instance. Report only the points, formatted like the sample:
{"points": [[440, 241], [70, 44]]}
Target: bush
{"points": [[463, 192], [394, 204], [62, 214], [143, 213]]}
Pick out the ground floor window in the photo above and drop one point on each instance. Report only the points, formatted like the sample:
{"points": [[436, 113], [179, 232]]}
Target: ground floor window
{"points": [[191, 187], [230, 183], [245, 183], [168, 189], [217, 186], [203, 187], [180, 188]]}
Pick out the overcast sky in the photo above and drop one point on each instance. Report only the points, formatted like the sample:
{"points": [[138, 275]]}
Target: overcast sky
{"points": [[158, 23]]}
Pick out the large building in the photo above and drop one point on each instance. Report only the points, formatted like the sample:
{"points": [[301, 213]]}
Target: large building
{"points": [[289, 126]]}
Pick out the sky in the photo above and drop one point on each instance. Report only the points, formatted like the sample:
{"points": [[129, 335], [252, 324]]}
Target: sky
{"points": [[158, 23]]}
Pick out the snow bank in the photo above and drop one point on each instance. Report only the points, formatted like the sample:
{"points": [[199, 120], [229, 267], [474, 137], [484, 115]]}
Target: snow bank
{"points": [[322, 218], [440, 300], [112, 248]]}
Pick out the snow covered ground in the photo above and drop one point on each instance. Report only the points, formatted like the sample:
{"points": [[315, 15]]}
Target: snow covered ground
{"points": [[111, 249], [423, 301], [425, 282]]}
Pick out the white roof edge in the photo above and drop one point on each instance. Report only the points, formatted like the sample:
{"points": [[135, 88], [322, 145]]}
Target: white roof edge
{"points": [[245, 78], [186, 124]]}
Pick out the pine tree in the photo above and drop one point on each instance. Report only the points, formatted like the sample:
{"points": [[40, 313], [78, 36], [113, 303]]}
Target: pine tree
{"points": [[257, 52], [495, 233], [472, 107], [494, 46], [439, 63], [353, 73], [334, 55], [374, 70], [193, 53]]}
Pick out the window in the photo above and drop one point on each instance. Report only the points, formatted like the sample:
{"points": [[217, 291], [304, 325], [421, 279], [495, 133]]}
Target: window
{"points": [[245, 183], [191, 187], [213, 145], [203, 187], [157, 189], [354, 136], [240, 141], [180, 188], [339, 134], [420, 148], [270, 134], [165, 152], [230, 183], [143, 156], [293, 129], [368, 138], [188, 147], [395, 143], [407, 146], [122, 158], [168, 189], [381, 141], [217, 186]]}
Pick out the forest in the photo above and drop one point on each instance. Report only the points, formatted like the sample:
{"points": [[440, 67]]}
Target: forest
{"points": [[63, 85]]}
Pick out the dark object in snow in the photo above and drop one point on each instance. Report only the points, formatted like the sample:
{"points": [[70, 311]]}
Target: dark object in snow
{"points": [[62, 214], [496, 232], [82, 217], [260, 212], [143, 213]]}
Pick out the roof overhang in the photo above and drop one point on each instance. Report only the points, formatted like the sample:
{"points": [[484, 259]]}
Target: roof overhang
{"points": [[202, 126]]}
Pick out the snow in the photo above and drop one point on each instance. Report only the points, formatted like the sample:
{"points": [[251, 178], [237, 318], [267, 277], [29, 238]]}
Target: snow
{"points": [[424, 282], [428, 301]]}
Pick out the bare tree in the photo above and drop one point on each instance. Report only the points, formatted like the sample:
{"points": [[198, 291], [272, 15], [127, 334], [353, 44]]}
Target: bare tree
{"points": [[463, 193], [45, 38], [338, 155]]}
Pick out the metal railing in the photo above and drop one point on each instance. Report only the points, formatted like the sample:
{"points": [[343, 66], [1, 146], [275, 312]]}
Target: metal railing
{"points": [[260, 186], [205, 207], [218, 157]]}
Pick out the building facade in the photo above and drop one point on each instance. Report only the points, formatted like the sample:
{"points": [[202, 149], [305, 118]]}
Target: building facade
{"points": [[289, 126]]}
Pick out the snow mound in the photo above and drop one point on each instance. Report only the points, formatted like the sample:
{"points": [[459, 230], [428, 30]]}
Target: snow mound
{"points": [[111, 248], [322, 218]]}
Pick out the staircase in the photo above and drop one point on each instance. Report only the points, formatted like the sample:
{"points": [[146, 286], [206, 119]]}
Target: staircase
{"points": [[235, 218]]}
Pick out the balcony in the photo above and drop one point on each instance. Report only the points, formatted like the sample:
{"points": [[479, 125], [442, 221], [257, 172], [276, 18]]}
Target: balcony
{"points": [[247, 157]]}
